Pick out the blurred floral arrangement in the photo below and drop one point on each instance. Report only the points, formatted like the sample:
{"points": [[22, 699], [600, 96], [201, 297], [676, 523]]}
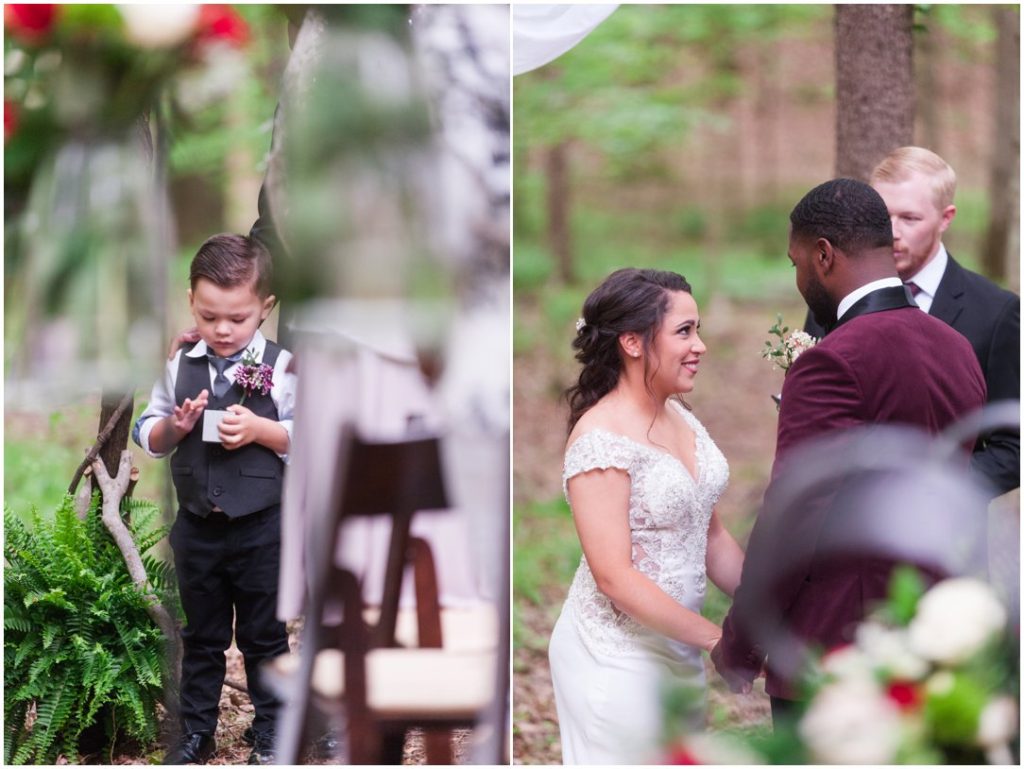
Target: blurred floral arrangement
{"points": [[931, 678], [88, 71], [784, 352]]}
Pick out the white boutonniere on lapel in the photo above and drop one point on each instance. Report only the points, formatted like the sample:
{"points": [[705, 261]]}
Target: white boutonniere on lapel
{"points": [[785, 348]]}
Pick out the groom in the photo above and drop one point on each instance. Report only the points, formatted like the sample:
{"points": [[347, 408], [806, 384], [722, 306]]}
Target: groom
{"points": [[884, 361]]}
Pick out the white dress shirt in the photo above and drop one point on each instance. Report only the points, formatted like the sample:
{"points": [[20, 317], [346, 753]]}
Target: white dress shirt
{"points": [[162, 403], [850, 299], [927, 279]]}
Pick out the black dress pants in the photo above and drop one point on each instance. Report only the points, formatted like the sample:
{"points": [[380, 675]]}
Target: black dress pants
{"points": [[227, 571]]}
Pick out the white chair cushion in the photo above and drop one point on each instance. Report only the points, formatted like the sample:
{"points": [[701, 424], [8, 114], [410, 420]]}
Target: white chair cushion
{"points": [[417, 684]]}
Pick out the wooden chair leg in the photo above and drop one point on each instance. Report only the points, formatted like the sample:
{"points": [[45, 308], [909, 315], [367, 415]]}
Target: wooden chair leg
{"points": [[384, 634], [392, 747], [438, 744], [428, 603]]}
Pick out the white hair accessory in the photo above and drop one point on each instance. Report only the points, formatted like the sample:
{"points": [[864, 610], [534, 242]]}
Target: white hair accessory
{"points": [[580, 323]]}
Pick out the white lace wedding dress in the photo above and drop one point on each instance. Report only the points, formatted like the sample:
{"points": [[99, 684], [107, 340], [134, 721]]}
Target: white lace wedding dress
{"points": [[607, 669]]}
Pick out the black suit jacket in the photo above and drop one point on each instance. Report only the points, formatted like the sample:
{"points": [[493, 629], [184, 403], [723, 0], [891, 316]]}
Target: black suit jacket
{"points": [[989, 317]]}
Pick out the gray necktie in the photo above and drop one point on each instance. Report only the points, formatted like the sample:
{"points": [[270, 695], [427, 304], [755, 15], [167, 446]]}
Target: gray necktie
{"points": [[220, 382]]}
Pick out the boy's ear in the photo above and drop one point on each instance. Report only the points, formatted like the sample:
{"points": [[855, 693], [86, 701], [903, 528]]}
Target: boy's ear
{"points": [[191, 299], [268, 306]]}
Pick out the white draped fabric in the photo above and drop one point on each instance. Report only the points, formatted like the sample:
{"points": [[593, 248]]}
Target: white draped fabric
{"points": [[542, 33], [378, 389]]}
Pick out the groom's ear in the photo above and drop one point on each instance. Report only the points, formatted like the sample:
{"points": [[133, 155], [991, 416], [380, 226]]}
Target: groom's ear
{"points": [[824, 256]]}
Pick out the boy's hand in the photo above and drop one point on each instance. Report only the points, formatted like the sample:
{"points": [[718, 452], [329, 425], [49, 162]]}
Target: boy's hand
{"points": [[240, 428], [185, 337], [187, 414]]}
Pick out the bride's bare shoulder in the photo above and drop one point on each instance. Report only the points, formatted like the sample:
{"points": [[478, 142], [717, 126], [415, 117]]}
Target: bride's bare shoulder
{"points": [[602, 416]]}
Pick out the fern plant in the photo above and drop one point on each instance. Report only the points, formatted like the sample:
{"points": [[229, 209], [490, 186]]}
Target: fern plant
{"points": [[79, 645]]}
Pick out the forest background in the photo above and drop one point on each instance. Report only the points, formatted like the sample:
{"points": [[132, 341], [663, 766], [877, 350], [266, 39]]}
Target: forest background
{"points": [[679, 137]]}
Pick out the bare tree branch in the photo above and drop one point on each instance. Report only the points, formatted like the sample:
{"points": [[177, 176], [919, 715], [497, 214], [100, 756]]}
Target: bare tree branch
{"points": [[101, 439], [113, 490], [83, 497]]}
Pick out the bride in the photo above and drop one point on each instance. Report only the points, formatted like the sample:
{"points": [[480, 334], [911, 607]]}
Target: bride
{"points": [[642, 476]]}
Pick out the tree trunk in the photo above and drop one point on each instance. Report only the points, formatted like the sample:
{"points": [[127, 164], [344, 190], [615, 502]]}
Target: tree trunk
{"points": [[927, 63], [110, 452], [874, 85], [556, 168], [1004, 192]]}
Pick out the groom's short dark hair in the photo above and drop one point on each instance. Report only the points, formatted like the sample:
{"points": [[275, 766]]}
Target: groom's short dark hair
{"points": [[849, 214]]}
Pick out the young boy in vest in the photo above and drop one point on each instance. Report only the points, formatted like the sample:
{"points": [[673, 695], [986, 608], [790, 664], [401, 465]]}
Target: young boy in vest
{"points": [[227, 535]]}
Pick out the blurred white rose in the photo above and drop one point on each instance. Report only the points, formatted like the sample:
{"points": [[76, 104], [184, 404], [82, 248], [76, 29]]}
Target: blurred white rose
{"points": [[848, 663], [998, 722], [159, 26], [224, 68], [889, 649], [955, 619], [851, 722]]}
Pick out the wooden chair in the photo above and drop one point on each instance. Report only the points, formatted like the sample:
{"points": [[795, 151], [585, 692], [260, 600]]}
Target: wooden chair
{"points": [[360, 672]]}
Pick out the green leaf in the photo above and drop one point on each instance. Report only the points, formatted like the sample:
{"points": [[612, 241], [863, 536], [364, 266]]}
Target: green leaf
{"points": [[905, 589]]}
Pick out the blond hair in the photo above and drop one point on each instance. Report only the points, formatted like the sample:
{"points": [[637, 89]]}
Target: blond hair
{"points": [[899, 164]]}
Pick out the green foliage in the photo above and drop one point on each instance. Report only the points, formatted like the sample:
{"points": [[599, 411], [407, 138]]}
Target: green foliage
{"points": [[547, 550], [37, 471], [546, 554], [532, 268], [952, 711], [79, 645], [905, 589]]}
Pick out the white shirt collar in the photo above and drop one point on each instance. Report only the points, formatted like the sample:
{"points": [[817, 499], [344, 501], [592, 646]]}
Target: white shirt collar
{"points": [[258, 341], [850, 299], [928, 277]]}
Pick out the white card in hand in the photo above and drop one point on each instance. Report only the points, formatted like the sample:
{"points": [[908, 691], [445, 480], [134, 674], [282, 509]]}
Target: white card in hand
{"points": [[211, 421]]}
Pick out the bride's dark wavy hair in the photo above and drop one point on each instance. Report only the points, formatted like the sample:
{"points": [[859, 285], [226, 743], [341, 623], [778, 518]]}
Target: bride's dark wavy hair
{"points": [[628, 301]]}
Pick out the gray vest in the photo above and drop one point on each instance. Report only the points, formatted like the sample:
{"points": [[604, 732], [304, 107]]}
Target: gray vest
{"points": [[206, 475]]}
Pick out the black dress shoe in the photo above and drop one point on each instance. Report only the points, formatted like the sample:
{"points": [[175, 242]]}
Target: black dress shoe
{"points": [[192, 748], [262, 746]]}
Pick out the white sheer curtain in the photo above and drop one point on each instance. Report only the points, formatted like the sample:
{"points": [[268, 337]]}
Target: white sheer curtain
{"points": [[542, 33]]}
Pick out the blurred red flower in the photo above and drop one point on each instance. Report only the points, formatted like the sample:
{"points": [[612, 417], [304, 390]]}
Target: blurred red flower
{"points": [[222, 22], [906, 695], [10, 119], [29, 23], [680, 756]]}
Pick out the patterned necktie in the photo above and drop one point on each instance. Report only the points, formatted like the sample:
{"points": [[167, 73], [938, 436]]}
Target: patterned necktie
{"points": [[220, 382], [914, 288]]}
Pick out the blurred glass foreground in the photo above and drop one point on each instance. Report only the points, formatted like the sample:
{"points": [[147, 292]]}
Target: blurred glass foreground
{"points": [[389, 186], [931, 675]]}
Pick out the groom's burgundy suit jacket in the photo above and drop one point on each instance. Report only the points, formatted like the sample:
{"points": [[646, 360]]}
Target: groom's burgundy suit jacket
{"points": [[885, 362]]}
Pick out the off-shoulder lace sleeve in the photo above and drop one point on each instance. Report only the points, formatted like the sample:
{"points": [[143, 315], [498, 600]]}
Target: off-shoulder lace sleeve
{"points": [[596, 450]]}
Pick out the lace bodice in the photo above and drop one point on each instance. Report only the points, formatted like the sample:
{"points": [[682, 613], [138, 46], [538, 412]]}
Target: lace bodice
{"points": [[669, 514]]}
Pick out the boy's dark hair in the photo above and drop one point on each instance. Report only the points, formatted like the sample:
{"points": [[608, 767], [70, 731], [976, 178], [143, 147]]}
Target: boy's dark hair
{"points": [[229, 260], [847, 213]]}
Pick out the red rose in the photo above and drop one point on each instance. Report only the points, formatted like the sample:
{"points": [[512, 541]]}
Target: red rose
{"points": [[680, 756], [29, 23], [222, 22], [906, 695], [10, 119]]}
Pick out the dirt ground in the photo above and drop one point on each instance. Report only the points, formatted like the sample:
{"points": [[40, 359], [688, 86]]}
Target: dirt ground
{"points": [[732, 399], [235, 717]]}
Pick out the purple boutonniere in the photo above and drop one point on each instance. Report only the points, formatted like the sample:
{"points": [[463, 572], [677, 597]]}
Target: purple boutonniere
{"points": [[253, 375]]}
